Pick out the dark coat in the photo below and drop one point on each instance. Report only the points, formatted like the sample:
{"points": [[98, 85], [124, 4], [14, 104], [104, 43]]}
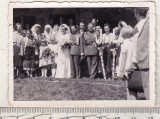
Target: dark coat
{"points": [[75, 48], [89, 48]]}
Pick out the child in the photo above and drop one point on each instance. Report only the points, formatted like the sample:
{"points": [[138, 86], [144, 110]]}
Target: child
{"points": [[44, 57], [126, 58], [54, 54], [126, 51]]}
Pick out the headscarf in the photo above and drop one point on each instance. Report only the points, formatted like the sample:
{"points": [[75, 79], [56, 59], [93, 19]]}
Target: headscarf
{"points": [[33, 29], [55, 32], [47, 35]]}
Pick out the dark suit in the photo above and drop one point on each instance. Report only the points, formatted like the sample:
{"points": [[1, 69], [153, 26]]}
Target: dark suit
{"points": [[143, 56], [75, 56], [91, 53]]}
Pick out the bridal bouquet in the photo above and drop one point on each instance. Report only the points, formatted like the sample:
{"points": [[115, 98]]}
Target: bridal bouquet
{"points": [[66, 43]]}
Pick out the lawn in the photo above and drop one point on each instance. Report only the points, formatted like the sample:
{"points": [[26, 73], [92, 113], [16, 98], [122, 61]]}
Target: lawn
{"points": [[43, 89]]}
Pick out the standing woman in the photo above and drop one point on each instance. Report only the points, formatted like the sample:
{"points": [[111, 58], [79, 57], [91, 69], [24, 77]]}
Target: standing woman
{"points": [[36, 33], [29, 51], [54, 49], [18, 49], [63, 64]]}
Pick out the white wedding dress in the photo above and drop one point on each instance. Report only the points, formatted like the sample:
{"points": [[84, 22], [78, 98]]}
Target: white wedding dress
{"points": [[63, 60]]}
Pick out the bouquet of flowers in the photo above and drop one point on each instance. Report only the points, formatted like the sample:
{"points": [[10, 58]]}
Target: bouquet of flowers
{"points": [[66, 44], [46, 52]]}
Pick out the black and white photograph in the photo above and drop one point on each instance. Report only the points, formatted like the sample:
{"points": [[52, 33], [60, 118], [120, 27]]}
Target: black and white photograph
{"points": [[76, 53]]}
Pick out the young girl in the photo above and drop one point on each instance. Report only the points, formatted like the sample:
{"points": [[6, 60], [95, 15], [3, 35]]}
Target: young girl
{"points": [[44, 57]]}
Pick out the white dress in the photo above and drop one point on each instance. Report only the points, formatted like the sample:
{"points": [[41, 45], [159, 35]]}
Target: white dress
{"points": [[63, 60], [54, 48]]}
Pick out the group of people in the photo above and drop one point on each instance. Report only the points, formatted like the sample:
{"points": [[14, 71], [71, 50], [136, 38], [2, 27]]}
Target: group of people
{"points": [[63, 47]]}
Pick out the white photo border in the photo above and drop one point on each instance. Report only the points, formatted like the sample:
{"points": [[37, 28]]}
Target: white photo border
{"points": [[91, 103]]}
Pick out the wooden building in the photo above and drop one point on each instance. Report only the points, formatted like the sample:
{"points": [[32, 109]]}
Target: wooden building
{"points": [[30, 16]]}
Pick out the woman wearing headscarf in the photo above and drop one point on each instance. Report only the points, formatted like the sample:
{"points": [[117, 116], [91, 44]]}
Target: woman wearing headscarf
{"points": [[54, 49], [29, 53], [36, 33], [63, 64], [48, 33]]}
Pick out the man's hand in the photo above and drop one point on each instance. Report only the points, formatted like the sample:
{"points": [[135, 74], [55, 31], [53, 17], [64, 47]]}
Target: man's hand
{"points": [[134, 66], [94, 44], [82, 54]]}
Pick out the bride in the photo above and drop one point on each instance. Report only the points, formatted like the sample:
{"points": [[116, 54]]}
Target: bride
{"points": [[63, 64]]}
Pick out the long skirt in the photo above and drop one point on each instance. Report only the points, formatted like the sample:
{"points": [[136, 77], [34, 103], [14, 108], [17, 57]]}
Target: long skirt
{"points": [[29, 59], [63, 64], [18, 60]]}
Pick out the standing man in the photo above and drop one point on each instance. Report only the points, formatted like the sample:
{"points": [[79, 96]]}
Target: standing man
{"points": [[90, 50], [81, 28], [143, 52], [94, 23], [107, 40], [75, 53], [18, 50], [140, 57]]}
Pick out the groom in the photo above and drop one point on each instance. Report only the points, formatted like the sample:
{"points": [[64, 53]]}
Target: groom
{"points": [[90, 50]]}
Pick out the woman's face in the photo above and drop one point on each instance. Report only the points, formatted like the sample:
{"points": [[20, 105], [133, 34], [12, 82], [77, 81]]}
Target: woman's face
{"points": [[48, 30], [37, 29], [63, 29], [56, 28]]}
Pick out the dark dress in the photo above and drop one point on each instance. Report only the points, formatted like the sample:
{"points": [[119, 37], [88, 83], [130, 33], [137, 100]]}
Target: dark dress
{"points": [[17, 59], [29, 58]]}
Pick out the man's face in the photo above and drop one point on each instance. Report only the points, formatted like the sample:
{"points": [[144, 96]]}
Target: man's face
{"points": [[73, 29], [94, 22], [98, 28], [28, 34], [90, 27], [106, 29], [19, 28], [82, 26], [70, 21]]}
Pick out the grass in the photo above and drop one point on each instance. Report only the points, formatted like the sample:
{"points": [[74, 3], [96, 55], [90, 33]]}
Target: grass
{"points": [[45, 89]]}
